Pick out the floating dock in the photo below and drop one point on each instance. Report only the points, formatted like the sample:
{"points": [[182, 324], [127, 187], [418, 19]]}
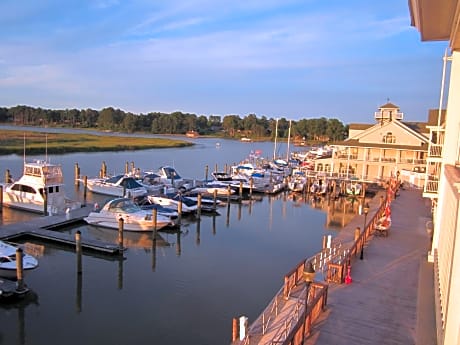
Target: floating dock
{"points": [[45, 227]]}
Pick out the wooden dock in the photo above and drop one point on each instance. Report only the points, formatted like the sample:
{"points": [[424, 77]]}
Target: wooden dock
{"points": [[45, 227]]}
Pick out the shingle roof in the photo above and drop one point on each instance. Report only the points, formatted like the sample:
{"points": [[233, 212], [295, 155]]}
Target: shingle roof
{"points": [[389, 105]]}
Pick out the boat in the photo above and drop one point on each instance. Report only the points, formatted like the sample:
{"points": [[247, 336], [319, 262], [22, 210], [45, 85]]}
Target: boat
{"points": [[152, 182], [353, 188], [134, 217], [172, 201], [297, 181], [169, 176], [119, 185], [8, 261], [209, 188], [41, 181], [318, 187]]}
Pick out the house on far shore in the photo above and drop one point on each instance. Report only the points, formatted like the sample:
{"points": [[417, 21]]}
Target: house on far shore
{"points": [[192, 134], [377, 152]]}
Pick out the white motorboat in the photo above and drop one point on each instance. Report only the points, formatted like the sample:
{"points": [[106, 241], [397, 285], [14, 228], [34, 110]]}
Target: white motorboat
{"points": [[134, 217], [297, 182], [172, 201], [169, 175], [8, 261], [209, 188], [119, 185], [41, 181], [353, 188]]}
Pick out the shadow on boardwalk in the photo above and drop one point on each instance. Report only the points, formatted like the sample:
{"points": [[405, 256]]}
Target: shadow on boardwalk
{"points": [[391, 297]]}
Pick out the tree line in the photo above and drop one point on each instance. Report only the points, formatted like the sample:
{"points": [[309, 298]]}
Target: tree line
{"points": [[234, 126]]}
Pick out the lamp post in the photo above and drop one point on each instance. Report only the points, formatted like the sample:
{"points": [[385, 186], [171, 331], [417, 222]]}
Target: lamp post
{"points": [[309, 276], [366, 210]]}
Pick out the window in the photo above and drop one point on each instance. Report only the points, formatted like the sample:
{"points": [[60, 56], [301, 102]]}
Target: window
{"points": [[389, 138]]}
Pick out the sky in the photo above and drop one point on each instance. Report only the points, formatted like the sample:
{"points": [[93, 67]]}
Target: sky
{"points": [[296, 59]]}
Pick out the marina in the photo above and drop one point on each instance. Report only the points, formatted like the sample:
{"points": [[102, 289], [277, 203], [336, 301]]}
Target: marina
{"points": [[175, 276]]}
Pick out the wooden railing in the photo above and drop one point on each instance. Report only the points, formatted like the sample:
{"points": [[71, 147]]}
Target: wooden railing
{"points": [[299, 327], [337, 269]]}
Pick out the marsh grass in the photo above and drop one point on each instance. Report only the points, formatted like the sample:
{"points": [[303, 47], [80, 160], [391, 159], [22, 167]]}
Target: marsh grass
{"points": [[12, 141]]}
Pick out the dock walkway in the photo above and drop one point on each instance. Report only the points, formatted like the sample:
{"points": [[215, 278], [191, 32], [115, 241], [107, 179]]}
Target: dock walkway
{"points": [[391, 297], [43, 228]]}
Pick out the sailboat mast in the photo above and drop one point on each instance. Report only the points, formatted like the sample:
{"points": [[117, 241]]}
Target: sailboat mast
{"points": [[276, 137], [289, 140]]}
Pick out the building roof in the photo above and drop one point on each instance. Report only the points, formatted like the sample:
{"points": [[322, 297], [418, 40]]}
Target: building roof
{"points": [[359, 126], [433, 117], [437, 20], [389, 106]]}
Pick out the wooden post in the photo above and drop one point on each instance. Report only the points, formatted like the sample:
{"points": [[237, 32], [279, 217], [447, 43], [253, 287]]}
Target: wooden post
{"points": [[198, 214], [357, 233], [251, 185], [229, 192], [179, 211], [206, 173], [215, 168], [1, 198], [78, 250], [154, 219], [104, 169], [214, 205], [77, 174], [8, 177], [19, 270], [324, 242], [85, 189], [235, 330], [241, 190], [120, 233], [132, 167], [45, 201], [126, 168]]}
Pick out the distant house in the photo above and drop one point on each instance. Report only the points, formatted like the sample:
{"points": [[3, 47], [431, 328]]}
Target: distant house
{"points": [[192, 134]]}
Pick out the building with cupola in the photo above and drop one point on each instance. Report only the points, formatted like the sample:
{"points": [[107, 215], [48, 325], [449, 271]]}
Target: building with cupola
{"points": [[389, 147]]}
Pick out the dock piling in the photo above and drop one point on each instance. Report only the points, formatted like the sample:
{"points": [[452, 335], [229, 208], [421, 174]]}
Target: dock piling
{"points": [[77, 174], [19, 270], [120, 233], [198, 213], [78, 251]]}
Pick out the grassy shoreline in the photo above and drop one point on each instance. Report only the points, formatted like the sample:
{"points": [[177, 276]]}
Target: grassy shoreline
{"points": [[13, 141]]}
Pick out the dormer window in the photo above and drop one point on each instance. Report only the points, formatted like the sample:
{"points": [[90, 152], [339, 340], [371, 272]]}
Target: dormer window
{"points": [[389, 138]]}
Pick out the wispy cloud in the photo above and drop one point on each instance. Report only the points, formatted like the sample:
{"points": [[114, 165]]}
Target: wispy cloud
{"points": [[176, 52]]}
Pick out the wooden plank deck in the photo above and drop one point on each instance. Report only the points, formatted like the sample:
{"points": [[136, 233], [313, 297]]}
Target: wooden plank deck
{"points": [[386, 303], [42, 228], [382, 305]]}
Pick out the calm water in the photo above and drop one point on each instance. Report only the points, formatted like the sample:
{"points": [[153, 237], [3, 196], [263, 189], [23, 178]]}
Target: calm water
{"points": [[184, 290]]}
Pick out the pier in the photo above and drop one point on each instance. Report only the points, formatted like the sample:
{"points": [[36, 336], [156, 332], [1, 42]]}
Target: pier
{"points": [[372, 290], [44, 228]]}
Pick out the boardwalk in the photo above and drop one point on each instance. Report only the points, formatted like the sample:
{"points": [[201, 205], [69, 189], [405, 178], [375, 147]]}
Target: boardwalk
{"points": [[391, 298]]}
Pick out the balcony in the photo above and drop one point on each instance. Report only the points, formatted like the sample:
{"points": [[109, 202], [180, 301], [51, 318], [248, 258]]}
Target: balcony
{"points": [[379, 115], [431, 187], [436, 150]]}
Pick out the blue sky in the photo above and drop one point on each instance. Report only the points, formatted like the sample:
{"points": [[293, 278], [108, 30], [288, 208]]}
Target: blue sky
{"points": [[274, 58]]}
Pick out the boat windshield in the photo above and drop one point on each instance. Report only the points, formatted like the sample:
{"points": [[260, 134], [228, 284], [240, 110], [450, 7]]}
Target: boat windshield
{"points": [[124, 205]]}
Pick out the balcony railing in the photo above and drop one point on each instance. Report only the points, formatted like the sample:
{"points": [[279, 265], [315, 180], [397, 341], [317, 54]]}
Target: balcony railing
{"points": [[435, 150], [431, 186]]}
